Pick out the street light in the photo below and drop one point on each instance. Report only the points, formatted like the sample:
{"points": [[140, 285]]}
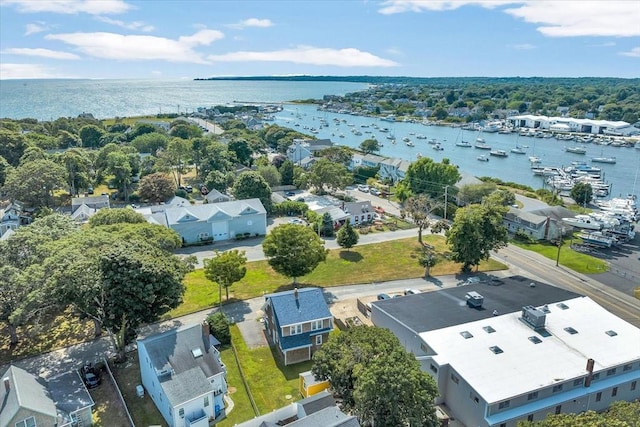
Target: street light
{"points": [[560, 241]]}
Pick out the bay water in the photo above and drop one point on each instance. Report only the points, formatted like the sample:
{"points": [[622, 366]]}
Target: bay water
{"points": [[50, 99]]}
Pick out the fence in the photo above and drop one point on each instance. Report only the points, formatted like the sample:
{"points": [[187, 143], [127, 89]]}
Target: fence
{"points": [[113, 379], [244, 381]]}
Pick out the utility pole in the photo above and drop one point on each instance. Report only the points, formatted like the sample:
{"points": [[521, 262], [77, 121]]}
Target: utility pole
{"points": [[560, 245], [446, 187]]}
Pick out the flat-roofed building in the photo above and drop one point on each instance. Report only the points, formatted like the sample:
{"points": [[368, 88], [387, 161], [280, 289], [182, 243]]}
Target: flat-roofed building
{"points": [[527, 350]]}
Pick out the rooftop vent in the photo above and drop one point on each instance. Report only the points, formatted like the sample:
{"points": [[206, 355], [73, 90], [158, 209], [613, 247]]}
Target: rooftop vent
{"points": [[466, 334], [474, 299], [496, 349], [533, 317], [611, 333], [197, 352], [535, 339]]}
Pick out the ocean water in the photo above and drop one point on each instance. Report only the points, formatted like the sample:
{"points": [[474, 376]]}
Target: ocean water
{"points": [[50, 99]]}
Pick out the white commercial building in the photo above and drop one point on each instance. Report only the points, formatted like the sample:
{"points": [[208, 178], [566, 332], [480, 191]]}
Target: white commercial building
{"points": [[568, 124], [509, 351]]}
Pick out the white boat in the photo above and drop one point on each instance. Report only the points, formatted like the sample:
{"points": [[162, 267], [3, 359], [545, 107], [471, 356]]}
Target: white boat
{"points": [[420, 136], [498, 153], [483, 158], [464, 144], [438, 147], [406, 139], [482, 146], [610, 160], [576, 150], [596, 238], [409, 144], [583, 221], [535, 159], [518, 150]]}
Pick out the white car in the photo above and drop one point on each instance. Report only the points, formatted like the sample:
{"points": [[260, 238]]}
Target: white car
{"points": [[363, 188], [374, 191], [296, 221]]}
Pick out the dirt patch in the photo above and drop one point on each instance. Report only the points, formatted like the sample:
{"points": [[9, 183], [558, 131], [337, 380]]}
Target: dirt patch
{"points": [[345, 309], [109, 410]]}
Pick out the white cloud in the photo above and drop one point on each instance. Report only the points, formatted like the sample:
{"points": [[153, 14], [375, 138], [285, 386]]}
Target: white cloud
{"points": [[34, 29], [522, 46], [139, 47], [92, 7], [27, 71], [635, 52], [42, 53], [252, 22], [558, 18], [348, 57], [589, 18], [135, 25]]}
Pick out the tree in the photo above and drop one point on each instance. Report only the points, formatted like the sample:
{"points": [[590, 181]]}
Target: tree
{"points": [[500, 198], [220, 181], [476, 231], [293, 250], [175, 158], [225, 269], [116, 216], [338, 154], [150, 142], [619, 414], [419, 208], [427, 260], [78, 166], [325, 173], [4, 170], [12, 146], [118, 164], [184, 130], [33, 182], [157, 187], [326, 225], [250, 185], [271, 175], [90, 136], [361, 363], [286, 172], [431, 178], [582, 193], [242, 151], [347, 236], [369, 146], [219, 327]]}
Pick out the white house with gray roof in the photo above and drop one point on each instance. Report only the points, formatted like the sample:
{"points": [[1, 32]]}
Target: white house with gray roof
{"points": [[210, 221], [183, 373]]}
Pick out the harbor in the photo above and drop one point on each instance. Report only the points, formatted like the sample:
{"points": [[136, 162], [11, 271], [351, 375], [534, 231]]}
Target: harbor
{"points": [[522, 156]]}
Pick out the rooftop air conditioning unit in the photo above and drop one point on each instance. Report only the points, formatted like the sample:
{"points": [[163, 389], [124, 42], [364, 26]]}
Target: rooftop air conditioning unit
{"points": [[533, 317], [474, 299]]}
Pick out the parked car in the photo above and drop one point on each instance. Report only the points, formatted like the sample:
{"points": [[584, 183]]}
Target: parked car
{"points": [[411, 291], [363, 188], [290, 194], [90, 190], [374, 191], [90, 375], [383, 296], [296, 221], [472, 280]]}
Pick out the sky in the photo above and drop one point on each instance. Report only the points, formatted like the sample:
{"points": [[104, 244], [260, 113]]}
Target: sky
{"points": [[123, 39]]}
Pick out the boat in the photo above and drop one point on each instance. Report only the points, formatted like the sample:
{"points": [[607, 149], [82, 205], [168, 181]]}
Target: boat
{"points": [[409, 144], [610, 160], [438, 147], [389, 118], [498, 153], [483, 158], [482, 146], [419, 155], [406, 139], [596, 238], [535, 159], [491, 127], [518, 150], [583, 221], [576, 150], [464, 144], [420, 136]]}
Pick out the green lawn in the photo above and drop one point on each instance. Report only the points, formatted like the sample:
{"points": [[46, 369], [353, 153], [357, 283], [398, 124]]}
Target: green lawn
{"points": [[577, 261], [391, 260], [242, 410]]}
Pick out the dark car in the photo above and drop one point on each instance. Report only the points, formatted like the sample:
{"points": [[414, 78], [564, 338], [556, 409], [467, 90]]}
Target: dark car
{"points": [[383, 296], [90, 375], [290, 194], [90, 190], [188, 189]]}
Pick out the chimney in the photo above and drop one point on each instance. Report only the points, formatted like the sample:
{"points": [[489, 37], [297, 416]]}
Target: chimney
{"points": [[205, 331], [295, 293], [7, 384], [587, 381]]}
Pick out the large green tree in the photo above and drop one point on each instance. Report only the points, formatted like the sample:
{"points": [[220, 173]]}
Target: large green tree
{"points": [[225, 269], [619, 414], [77, 164], [90, 136], [369, 146], [293, 250], [175, 158], [582, 193], [376, 378], [34, 182], [476, 231], [156, 187], [419, 209], [270, 174], [347, 236], [116, 216], [286, 172], [250, 185], [425, 176], [327, 174]]}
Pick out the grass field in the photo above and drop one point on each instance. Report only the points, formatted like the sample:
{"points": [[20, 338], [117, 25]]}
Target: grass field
{"points": [[577, 261]]}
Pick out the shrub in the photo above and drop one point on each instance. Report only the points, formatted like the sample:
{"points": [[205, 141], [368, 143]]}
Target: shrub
{"points": [[522, 236], [219, 327], [181, 193]]}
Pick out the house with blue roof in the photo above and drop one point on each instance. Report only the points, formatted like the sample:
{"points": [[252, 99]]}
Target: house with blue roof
{"points": [[183, 373], [298, 322]]}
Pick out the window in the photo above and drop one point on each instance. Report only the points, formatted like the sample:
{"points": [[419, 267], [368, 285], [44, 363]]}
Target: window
{"points": [[206, 401], [578, 382], [455, 379], [611, 372], [29, 422], [466, 334], [181, 412], [504, 405], [557, 388], [488, 329], [633, 385], [316, 324], [474, 398], [558, 409], [614, 392], [318, 339], [503, 424], [627, 367], [295, 329], [433, 368], [598, 396], [533, 395], [595, 376]]}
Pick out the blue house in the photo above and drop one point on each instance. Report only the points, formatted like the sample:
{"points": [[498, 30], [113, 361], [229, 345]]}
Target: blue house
{"points": [[182, 372], [297, 322]]}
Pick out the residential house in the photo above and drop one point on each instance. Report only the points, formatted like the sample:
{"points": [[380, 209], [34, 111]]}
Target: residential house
{"points": [[182, 372], [303, 148], [214, 196], [536, 226], [29, 401], [393, 169], [309, 385], [210, 221], [514, 349], [93, 202], [319, 410], [359, 212], [14, 216], [298, 322]]}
